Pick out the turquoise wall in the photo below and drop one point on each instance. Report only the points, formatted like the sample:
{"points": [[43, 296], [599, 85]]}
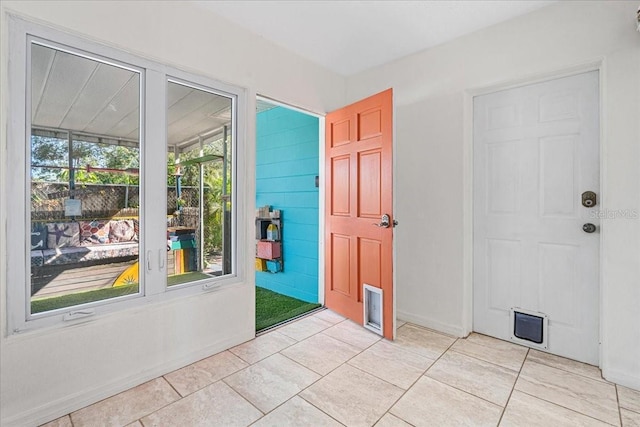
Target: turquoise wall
{"points": [[286, 168]]}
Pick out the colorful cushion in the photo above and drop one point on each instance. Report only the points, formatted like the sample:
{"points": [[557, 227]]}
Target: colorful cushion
{"points": [[63, 234], [121, 231], [94, 232], [38, 237], [136, 229]]}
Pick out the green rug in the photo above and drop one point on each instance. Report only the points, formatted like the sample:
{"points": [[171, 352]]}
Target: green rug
{"points": [[273, 308]]}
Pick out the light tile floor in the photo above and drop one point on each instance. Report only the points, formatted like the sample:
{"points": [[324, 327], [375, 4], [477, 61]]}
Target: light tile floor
{"points": [[324, 370]]}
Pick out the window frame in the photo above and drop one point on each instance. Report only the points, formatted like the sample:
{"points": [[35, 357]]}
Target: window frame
{"points": [[153, 190]]}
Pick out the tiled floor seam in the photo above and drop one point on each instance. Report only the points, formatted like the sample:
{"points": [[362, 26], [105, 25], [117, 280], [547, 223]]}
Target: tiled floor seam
{"points": [[298, 363], [618, 402], [345, 342], [513, 387], [412, 384], [469, 393], [241, 395], [153, 412], [601, 380], [331, 325], [630, 410], [174, 389], [492, 363], [260, 360], [211, 383], [328, 373], [567, 408], [310, 403], [312, 335]]}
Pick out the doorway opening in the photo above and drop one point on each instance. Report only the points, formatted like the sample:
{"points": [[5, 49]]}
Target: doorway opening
{"points": [[287, 213]]}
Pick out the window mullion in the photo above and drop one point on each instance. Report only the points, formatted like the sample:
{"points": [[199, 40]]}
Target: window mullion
{"points": [[154, 184]]}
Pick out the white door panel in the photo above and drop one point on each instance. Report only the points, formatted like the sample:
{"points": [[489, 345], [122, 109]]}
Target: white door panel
{"points": [[536, 149]]}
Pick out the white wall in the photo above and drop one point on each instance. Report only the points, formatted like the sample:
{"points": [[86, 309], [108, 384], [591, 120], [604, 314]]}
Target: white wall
{"points": [[48, 373], [433, 147]]}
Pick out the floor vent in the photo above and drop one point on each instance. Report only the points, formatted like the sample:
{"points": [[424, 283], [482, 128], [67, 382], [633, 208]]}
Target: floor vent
{"points": [[373, 317], [529, 328]]}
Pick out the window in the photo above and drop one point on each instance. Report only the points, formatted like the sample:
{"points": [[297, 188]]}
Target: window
{"points": [[199, 183], [84, 167], [95, 225]]}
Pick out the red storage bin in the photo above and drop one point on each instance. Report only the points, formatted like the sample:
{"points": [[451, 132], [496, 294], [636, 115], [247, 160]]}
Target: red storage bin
{"points": [[268, 250]]}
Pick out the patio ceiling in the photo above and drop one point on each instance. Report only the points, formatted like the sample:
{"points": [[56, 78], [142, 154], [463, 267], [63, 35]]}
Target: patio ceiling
{"points": [[70, 92]]}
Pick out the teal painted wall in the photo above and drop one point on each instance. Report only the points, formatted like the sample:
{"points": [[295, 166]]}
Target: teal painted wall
{"points": [[286, 168]]}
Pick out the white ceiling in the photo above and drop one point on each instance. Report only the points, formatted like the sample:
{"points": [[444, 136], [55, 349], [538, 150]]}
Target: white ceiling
{"points": [[73, 93], [352, 36]]}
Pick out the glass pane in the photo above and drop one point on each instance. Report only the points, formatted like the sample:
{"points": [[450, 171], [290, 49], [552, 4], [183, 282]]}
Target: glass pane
{"points": [[199, 184], [85, 160]]}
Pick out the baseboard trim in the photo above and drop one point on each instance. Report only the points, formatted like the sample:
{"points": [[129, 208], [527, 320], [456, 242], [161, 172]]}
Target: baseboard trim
{"points": [[445, 328], [67, 404], [622, 378]]}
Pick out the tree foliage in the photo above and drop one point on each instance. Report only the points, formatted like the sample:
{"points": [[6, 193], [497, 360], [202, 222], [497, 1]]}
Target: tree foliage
{"points": [[50, 161]]}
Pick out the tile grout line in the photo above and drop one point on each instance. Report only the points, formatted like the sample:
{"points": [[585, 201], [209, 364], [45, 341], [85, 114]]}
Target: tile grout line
{"points": [[244, 398], [180, 396], [578, 375], [168, 404], [513, 387], [174, 389], [414, 383], [618, 401], [601, 380], [564, 407], [491, 363], [593, 380], [325, 375], [212, 382], [304, 318], [336, 368], [298, 363], [541, 362]]}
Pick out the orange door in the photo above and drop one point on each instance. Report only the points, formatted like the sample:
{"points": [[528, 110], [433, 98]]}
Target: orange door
{"points": [[358, 193]]}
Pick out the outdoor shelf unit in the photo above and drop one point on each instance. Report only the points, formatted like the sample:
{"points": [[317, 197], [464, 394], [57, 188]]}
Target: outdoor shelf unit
{"points": [[269, 252]]}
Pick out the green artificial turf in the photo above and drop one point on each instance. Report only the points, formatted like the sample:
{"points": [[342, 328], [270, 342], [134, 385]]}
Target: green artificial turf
{"points": [[186, 277], [53, 303], [273, 308]]}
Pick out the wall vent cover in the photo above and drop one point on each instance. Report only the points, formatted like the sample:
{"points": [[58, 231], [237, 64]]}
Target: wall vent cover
{"points": [[529, 328], [373, 317]]}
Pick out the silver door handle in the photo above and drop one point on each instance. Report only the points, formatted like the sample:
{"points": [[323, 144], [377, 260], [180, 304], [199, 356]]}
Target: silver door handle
{"points": [[384, 221]]}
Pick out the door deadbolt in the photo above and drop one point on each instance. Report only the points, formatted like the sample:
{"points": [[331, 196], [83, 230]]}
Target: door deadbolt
{"points": [[588, 228], [588, 199]]}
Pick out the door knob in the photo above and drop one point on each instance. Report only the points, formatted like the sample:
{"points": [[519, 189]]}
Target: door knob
{"points": [[588, 228], [384, 221]]}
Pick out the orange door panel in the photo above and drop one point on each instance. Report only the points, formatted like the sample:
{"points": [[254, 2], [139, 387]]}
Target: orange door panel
{"points": [[358, 148]]}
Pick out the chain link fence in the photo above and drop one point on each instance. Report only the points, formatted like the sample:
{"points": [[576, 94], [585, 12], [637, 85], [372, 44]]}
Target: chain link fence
{"points": [[103, 201]]}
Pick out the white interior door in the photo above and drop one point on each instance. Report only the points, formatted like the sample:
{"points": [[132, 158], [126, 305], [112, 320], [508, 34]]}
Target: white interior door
{"points": [[536, 150]]}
